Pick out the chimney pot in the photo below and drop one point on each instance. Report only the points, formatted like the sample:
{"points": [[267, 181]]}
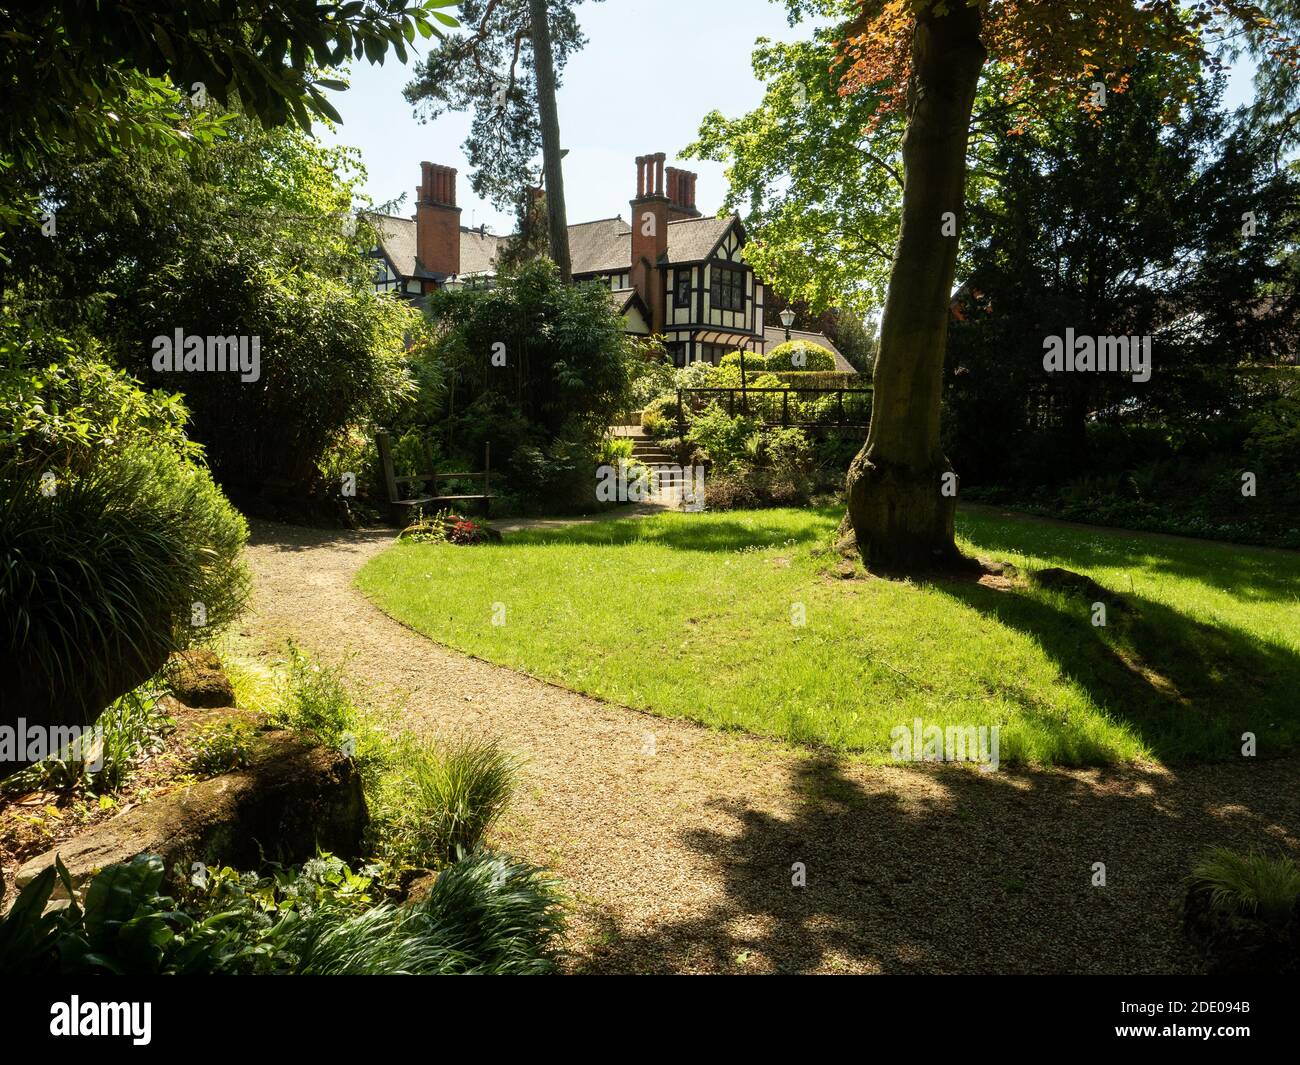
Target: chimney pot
{"points": [[437, 220]]}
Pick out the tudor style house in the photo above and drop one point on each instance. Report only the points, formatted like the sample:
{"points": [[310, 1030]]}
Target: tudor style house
{"points": [[671, 271]]}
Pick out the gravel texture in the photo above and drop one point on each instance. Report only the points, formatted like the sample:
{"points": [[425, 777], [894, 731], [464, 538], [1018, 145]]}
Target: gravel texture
{"points": [[678, 844]]}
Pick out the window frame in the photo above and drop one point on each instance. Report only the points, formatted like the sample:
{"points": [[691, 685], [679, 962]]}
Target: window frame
{"points": [[731, 281], [683, 283]]}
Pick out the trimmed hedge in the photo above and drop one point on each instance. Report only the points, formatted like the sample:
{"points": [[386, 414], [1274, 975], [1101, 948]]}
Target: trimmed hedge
{"points": [[754, 363], [800, 355]]}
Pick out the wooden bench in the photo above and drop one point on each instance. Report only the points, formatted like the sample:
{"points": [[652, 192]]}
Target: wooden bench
{"points": [[404, 503]]}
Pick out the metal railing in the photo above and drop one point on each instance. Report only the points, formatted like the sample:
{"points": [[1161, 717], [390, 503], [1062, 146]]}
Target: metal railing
{"points": [[803, 408]]}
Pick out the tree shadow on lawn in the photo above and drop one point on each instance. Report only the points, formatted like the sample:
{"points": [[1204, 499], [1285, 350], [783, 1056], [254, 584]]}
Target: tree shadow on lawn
{"points": [[1188, 689], [678, 532], [949, 870], [1248, 573]]}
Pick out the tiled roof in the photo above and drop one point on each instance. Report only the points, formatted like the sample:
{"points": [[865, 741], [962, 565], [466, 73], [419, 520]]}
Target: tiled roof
{"points": [[692, 239], [397, 239], [478, 251], [600, 247], [775, 334], [621, 297]]}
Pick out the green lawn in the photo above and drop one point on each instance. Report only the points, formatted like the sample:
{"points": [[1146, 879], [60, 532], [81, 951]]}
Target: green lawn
{"points": [[690, 615]]}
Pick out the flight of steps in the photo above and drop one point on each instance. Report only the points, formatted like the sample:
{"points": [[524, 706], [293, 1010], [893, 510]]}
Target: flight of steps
{"points": [[649, 451]]}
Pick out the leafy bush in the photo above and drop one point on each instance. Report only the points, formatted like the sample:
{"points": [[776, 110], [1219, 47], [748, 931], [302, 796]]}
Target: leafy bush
{"points": [[332, 355], [660, 416], [725, 441], [753, 362], [539, 369], [800, 355], [695, 375], [790, 453], [738, 489], [650, 375], [120, 548], [486, 915], [615, 449], [1275, 433]]}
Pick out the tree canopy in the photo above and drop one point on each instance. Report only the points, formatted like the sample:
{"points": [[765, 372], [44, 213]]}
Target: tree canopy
{"points": [[489, 71]]}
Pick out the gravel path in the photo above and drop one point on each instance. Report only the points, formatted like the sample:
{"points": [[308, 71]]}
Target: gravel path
{"points": [[677, 843]]}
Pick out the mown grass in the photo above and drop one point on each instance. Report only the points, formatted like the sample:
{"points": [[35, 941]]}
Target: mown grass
{"points": [[693, 615]]}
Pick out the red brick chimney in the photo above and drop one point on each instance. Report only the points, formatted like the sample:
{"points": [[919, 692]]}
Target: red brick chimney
{"points": [[437, 222], [681, 194], [650, 235]]}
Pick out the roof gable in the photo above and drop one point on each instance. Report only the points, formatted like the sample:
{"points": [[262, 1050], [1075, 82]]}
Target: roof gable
{"points": [[692, 240]]}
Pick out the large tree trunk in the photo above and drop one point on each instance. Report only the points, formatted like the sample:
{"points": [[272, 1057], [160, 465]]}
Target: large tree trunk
{"points": [[556, 216], [900, 515]]}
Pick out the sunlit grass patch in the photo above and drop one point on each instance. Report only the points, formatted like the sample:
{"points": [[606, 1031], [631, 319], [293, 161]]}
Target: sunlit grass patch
{"points": [[735, 620]]}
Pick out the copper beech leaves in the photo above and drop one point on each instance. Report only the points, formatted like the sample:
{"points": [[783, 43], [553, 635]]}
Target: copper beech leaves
{"points": [[1057, 49]]}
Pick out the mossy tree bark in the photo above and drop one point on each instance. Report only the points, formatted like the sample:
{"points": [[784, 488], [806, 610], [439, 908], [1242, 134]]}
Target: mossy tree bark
{"points": [[901, 518]]}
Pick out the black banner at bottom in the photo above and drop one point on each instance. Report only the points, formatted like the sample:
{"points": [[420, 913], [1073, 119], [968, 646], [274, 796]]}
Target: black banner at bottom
{"points": [[142, 1016]]}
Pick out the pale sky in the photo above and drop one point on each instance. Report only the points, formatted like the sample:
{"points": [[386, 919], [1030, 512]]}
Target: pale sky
{"points": [[613, 104]]}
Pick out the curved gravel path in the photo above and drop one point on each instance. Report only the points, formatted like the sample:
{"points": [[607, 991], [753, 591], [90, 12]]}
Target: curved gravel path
{"points": [[677, 843]]}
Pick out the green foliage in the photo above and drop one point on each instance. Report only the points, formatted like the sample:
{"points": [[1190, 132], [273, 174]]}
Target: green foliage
{"points": [[485, 72], [615, 450], [753, 362], [122, 929], [488, 914], [1171, 231], [113, 533], [822, 212], [455, 793], [116, 558], [270, 55], [314, 698], [789, 451], [251, 237], [100, 761], [650, 375], [1274, 433], [221, 747], [725, 440], [1249, 885], [695, 375], [509, 910], [61, 406], [660, 416], [800, 355], [564, 379], [332, 355]]}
